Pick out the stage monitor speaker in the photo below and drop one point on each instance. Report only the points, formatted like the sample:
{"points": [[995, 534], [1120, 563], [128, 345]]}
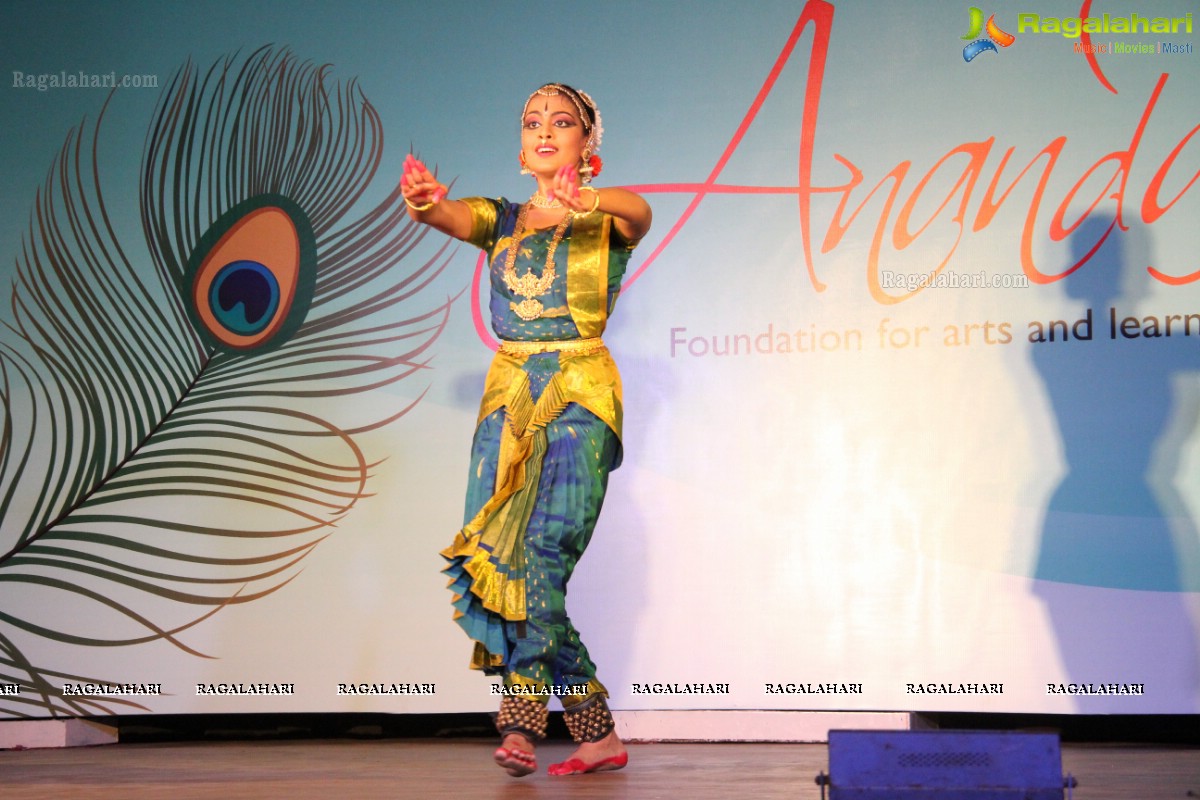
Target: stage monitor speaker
{"points": [[943, 765]]}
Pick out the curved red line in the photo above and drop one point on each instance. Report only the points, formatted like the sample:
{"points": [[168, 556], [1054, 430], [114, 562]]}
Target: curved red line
{"points": [[1171, 280], [477, 307], [808, 15], [722, 188], [1086, 39]]}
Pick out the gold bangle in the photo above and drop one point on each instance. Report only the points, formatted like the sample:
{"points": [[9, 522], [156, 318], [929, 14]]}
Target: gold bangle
{"points": [[425, 207], [595, 202]]}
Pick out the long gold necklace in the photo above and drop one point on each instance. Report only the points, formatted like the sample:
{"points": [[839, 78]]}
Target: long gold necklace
{"points": [[530, 286]]}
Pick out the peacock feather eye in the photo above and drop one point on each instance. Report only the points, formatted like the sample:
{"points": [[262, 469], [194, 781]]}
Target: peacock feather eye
{"points": [[250, 279]]}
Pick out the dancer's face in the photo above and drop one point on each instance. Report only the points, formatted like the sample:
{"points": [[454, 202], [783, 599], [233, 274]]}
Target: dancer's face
{"points": [[551, 134]]}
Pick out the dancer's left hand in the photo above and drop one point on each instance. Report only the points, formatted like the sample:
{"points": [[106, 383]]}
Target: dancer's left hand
{"points": [[568, 191]]}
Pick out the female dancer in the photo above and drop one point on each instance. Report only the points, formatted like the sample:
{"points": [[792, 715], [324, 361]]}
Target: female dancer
{"points": [[549, 424]]}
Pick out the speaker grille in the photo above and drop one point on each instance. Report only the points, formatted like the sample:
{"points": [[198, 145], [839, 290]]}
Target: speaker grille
{"points": [[943, 760]]}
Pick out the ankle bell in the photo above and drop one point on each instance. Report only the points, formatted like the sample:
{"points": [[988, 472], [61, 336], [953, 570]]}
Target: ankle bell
{"points": [[589, 721], [526, 717]]}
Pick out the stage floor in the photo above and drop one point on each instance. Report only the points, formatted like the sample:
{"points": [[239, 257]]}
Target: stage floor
{"points": [[406, 768]]}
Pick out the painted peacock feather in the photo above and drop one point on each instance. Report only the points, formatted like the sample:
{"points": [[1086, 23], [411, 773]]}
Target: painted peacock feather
{"points": [[167, 448]]}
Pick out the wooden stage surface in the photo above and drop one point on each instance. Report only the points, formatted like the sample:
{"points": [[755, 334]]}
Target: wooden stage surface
{"points": [[461, 768]]}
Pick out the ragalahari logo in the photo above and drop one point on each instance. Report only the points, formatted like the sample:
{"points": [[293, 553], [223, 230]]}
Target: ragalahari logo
{"points": [[995, 36]]}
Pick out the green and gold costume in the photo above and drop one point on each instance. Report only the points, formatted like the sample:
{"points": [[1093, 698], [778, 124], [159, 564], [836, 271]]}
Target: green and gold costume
{"points": [[547, 436]]}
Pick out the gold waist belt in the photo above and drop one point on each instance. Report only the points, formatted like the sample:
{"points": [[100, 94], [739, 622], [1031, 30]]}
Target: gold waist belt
{"points": [[569, 346]]}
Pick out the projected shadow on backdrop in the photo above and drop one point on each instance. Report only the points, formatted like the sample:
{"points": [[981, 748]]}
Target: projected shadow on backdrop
{"points": [[172, 438], [1116, 519]]}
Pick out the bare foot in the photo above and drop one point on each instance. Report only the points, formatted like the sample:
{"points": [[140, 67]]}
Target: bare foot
{"points": [[607, 754], [515, 755]]}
